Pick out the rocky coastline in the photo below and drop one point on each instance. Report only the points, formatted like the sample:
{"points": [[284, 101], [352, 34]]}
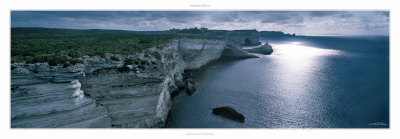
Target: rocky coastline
{"points": [[132, 92]]}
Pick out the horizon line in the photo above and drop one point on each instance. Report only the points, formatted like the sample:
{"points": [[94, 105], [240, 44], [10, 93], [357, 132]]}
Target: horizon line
{"points": [[297, 35]]}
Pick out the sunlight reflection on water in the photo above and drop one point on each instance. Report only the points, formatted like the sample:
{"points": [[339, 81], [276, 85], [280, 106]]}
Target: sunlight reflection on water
{"points": [[298, 51], [305, 83], [297, 56], [299, 63]]}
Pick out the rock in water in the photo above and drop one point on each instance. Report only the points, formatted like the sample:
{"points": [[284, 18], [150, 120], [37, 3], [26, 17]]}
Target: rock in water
{"points": [[173, 90], [228, 112], [190, 89]]}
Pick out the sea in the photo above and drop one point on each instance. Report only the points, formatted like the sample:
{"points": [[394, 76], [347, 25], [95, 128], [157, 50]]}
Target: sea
{"points": [[307, 82]]}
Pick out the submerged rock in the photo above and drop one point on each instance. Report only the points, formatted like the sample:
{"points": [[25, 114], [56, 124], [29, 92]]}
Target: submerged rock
{"points": [[265, 49], [190, 89], [229, 113]]}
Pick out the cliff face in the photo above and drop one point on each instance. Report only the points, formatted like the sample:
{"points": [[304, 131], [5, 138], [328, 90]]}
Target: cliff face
{"points": [[139, 97], [39, 99], [243, 37], [196, 53], [132, 92]]}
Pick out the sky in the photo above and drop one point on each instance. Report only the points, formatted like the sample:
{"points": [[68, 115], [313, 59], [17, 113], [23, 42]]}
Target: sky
{"points": [[313, 23]]}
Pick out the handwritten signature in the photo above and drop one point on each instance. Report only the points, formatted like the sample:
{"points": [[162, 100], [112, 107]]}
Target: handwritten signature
{"points": [[377, 124]]}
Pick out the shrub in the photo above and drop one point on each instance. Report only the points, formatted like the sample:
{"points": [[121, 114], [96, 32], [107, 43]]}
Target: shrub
{"points": [[29, 59], [144, 40], [14, 59], [143, 62], [75, 61], [127, 62], [66, 65], [123, 69], [114, 58], [41, 58], [100, 53], [72, 53], [55, 60], [90, 54]]}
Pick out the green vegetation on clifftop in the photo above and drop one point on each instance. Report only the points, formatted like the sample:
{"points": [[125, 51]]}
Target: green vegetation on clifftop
{"points": [[65, 46]]}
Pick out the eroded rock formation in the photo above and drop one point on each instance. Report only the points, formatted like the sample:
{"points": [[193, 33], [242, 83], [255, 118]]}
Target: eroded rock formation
{"points": [[265, 49], [234, 52], [132, 92]]}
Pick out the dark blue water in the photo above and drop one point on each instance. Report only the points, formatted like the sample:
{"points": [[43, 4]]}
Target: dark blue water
{"points": [[308, 82]]}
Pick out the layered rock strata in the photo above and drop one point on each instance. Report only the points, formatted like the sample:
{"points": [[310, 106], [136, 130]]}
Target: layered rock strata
{"points": [[132, 92]]}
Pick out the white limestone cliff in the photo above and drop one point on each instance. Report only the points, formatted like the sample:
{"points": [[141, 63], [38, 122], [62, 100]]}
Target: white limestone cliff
{"points": [[106, 93]]}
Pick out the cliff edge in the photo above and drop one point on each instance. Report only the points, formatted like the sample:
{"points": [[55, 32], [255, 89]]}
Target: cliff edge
{"points": [[132, 91]]}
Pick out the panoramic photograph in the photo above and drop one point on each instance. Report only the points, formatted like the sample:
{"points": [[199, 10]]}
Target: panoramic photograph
{"points": [[199, 69]]}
